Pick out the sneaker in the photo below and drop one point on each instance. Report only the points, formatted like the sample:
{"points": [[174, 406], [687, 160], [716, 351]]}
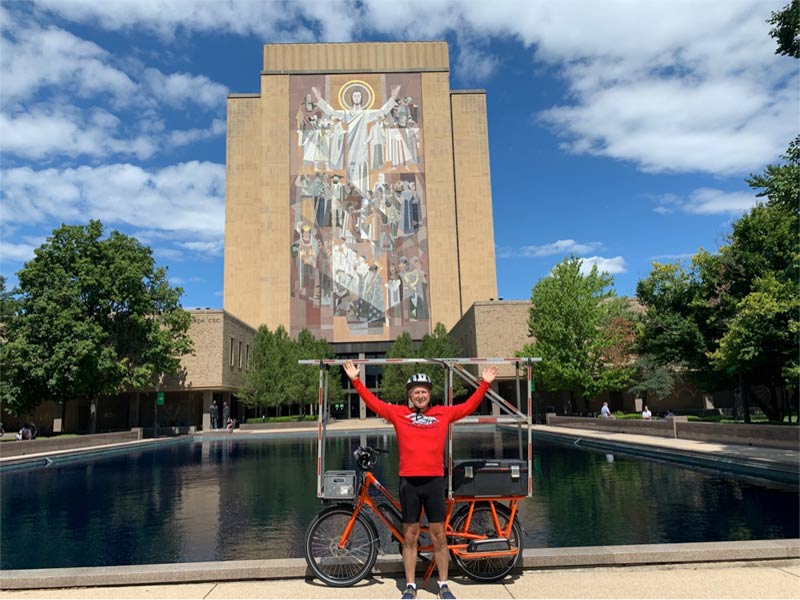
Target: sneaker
{"points": [[409, 594], [445, 593]]}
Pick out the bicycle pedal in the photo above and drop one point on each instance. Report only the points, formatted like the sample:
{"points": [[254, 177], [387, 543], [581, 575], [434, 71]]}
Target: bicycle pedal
{"points": [[489, 545]]}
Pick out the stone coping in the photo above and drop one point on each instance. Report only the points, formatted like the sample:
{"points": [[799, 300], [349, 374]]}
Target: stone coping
{"points": [[296, 568]]}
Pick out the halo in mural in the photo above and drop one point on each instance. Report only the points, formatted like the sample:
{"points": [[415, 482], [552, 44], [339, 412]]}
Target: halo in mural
{"points": [[353, 86]]}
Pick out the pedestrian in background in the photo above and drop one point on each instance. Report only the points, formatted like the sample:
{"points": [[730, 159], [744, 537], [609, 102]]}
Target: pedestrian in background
{"points": [[214, 412]]}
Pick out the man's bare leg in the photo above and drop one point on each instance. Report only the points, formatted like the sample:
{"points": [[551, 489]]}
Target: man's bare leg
{"points": [[440, 554], [410, 539]]}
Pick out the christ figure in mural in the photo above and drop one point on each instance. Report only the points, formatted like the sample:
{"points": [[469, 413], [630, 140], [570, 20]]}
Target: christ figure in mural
{"points": [[357, 120]]}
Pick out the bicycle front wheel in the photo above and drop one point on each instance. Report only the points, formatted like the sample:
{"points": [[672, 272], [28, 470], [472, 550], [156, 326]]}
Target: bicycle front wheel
{"points": [[340, 567], [482, 523]]}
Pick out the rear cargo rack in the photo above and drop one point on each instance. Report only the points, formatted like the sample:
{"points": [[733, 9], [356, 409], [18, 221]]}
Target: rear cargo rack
{"points": [[510, 414]]}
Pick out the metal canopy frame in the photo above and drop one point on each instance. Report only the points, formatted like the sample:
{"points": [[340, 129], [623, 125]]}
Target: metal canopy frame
{"points": [[513, 414]]}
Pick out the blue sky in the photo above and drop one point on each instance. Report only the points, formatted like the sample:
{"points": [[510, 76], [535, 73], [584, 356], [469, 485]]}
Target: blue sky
{"points": [[621, 132]]}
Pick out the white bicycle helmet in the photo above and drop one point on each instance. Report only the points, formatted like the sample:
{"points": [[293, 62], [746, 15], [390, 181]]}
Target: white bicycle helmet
{"points": [[419, 379]]}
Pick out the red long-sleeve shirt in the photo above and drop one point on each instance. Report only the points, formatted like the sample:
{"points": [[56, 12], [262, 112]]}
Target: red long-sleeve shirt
{"points": [[420, 437]]}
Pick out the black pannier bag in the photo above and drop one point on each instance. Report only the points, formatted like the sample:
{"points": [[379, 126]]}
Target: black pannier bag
{"points": [[490, 477]]}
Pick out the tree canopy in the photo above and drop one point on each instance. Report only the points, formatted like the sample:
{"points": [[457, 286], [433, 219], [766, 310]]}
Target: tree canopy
{"points": [[786, 29], [276, 380], [434, 345], [731, 318], [91, 316], [581, 330]]}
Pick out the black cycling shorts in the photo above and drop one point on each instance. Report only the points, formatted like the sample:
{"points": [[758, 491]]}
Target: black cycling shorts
{"points": [[419, 492]]}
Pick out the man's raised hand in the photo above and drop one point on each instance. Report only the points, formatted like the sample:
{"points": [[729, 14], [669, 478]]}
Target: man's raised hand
{"points": [[350, 369], [489, 374]]}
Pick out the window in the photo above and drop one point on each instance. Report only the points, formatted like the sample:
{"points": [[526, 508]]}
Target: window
{"points": [[233, 347], [247, 357], [240, 355]]}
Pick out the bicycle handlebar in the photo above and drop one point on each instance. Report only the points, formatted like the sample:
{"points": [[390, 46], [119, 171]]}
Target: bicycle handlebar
{"points": [[367, 456]]}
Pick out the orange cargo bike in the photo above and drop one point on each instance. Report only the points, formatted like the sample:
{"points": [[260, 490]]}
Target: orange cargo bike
{"points": [[484, 536], [483, 533]]}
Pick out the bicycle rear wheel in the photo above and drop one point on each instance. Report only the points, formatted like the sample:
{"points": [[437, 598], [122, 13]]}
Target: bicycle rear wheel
{"points": [[340, 567], [487, 569]]}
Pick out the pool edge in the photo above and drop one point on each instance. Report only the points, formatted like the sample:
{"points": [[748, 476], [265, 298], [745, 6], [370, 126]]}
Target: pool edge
{"points": [[295, 568]]}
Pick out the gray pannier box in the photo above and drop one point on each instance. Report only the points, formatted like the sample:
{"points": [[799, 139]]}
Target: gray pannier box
{"points": [[504, 477], [339, 485]]}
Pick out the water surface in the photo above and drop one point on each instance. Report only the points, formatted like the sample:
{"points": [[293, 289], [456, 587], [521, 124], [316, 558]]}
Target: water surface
{"points": [[237, 499]]}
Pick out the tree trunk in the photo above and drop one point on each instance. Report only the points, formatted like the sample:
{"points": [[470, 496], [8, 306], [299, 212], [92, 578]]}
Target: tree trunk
{"points": [[745, 399], [777, 404], [787, 407], [768, 410]]}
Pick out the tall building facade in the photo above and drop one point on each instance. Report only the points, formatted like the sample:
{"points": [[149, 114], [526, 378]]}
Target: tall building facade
{"points": [[358, 200]]}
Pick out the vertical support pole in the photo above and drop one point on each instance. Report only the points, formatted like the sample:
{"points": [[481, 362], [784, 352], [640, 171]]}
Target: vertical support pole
{"points": [[530, 436], [449, 392], [519, 408], [362, 374], [320, 431]]}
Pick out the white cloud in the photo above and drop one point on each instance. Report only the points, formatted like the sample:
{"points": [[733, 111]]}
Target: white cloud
{"points": [[186, 199], [680, 86], [707, 201], [560, 247], [65, 96], [676, 125], [20, 252], [46, 130], [187, 136], [269, 20], [210, 248], [701, 91], [32, 58], [179, 89], [604, 265]]}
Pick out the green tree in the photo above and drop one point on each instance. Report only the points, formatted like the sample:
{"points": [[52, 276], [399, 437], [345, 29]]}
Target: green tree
{"points": [[731, 319], [393, 384], [433, 345], [757, 279], [652, 380], [575, 322], [786, 29], [267, 384], [94, 317], [440, 345], [276, 380], [304, 389], [672, 334]]}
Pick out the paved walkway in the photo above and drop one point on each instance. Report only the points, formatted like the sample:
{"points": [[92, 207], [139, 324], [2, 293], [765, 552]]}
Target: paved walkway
{"points": [[766, 579]]}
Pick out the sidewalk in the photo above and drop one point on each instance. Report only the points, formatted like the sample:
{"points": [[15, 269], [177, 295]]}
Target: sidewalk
{"points": [[763, 579]]}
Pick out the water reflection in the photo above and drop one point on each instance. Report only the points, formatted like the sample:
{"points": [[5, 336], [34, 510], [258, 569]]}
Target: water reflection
{"points": [[252, 499]]}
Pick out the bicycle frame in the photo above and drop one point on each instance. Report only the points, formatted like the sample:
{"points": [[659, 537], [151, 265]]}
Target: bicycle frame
{"points": [[459, 549]]}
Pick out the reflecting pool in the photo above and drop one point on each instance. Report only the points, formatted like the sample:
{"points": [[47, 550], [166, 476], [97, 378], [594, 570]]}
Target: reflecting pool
{"points": [[251, 498]]}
